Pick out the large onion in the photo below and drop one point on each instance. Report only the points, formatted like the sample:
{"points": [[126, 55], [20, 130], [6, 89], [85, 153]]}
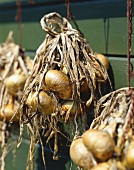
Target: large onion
{"points": [[59, 83], [45, 102], [15, 82], [128, 157], [100, 143], [7, 112], [80, 155]]}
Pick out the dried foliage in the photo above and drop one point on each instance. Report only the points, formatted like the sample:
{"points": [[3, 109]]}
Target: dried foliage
{"points": [[66, 50], [12, 63]]}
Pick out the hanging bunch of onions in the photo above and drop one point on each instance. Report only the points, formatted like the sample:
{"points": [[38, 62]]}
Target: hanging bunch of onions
{"points": [[110, 137], [66, 70], [14, 70]]}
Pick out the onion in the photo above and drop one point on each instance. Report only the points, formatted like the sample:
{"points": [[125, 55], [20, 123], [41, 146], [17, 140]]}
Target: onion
{"points": [[15, 82], [100, 143], [46, 104], [7, 112], [102, 59], [70, 105], [59, 83], [128, 157], [31, 100], [102, 166], [80, 155]]}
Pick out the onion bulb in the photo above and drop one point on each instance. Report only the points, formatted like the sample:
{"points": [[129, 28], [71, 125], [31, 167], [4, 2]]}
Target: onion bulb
{"points": [[43, 101], [15, 82], [70, 105], [102, 166], [102, 59], [59, 83], [31, 100], [128, 157], [80, 155], [7, 112], [46, 103], [100, 143]]}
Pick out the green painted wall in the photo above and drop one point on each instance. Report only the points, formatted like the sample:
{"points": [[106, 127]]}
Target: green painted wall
{"points": [[103, 22]]}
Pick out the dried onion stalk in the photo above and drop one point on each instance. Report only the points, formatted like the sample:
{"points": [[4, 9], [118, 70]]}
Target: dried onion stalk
{"points": [[67, 51]]}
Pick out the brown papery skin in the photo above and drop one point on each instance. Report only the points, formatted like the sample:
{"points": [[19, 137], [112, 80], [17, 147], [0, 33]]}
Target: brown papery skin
{"points": [[80, 155], [100, 143], [59, 83]]}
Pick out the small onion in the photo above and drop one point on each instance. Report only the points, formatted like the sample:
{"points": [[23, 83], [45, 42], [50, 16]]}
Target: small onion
{"points": [[100, 143], [15, 82], [70, 105], [58, 82], [102, 166], [45, 103], [80, 155], [102, 59], [31, 100], [7, 112], [128, 157]]}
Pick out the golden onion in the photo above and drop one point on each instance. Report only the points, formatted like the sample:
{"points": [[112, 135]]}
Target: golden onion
{"points": [[59, 83], [103, 59], [84, 90], [128, 157], [80, 155], [31, 100], [102, 166], [70, 105], [43, 101], [15, 82], [100, 143], [7, 112], [46, 103]]}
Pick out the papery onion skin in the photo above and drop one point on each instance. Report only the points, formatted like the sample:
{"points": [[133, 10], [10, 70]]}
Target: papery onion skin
{"points": [[71, 105], [58, 82], [100, 143], [103, 59], [7, 112], [44, 102], [15, 82], [80, 155], [102, 166], [128, 157], [31, 100]]}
